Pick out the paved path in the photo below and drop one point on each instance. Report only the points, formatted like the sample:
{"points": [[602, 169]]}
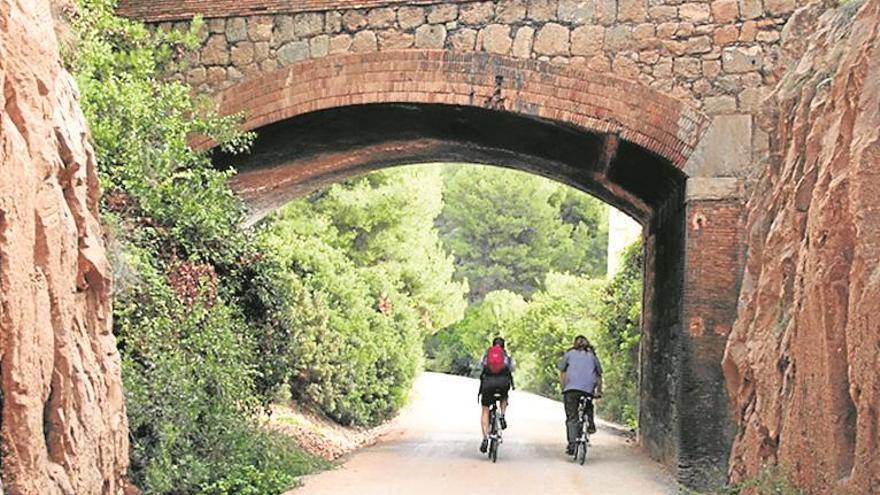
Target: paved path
{"points": [[433, 450]]}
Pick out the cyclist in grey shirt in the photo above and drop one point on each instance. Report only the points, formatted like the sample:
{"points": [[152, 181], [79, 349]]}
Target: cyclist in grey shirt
{"points": [[580, 374]]}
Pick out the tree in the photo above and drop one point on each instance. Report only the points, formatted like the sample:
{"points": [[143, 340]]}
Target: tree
{"points": [[372, 280], [457, 349], [507, 229], [555, 315]]}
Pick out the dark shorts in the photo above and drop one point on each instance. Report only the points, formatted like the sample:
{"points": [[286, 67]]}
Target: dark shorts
{"points": [[491, 385]]}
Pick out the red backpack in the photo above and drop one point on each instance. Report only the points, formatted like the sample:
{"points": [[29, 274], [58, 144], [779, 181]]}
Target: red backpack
{"points": [[495, 359]]}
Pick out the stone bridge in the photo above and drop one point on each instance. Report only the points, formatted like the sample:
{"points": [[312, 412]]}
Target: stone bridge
{"points": [[650, 105]]}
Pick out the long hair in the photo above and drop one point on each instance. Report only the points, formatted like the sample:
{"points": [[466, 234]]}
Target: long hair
{"points": [[581, 343]]}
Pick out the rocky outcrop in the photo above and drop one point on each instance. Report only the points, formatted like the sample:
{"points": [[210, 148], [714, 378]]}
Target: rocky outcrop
{"points": [[63, 427], [803, 361]]}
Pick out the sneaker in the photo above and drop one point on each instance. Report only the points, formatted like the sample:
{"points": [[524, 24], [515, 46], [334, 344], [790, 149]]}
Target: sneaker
{"points": [[484, 446], [569, 449], [591, 429], [503, 422]]}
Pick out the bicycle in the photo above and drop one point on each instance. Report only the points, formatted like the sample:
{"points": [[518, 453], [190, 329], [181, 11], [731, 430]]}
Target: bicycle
{"points": [[582, 443], [494, 428]]}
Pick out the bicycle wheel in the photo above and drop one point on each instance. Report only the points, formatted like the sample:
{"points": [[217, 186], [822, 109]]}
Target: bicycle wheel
{"points": [[580, 452]]}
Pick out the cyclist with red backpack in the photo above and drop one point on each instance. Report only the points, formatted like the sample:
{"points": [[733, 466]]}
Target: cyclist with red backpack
{"points": [[496, 378]]}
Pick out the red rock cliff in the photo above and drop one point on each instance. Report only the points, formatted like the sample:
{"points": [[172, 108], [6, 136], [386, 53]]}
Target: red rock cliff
{"points": [[803, 361], [63, 425]]}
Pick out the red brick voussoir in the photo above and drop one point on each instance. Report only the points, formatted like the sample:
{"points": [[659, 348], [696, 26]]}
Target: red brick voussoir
{"points": [[573, 95]]}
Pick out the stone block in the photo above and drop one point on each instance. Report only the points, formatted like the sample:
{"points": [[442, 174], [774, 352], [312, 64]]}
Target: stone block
{"points": [[649, 57], [354, 20], [725, 35], [463, 40], [293, 51], [748, 32], [542, 10], [430, 36], [522, 42], [364, 41], [632, 10], [410, 17], [619, 38], [282, 30], [260, 28], [308, 24], [236, 29], [644, 31], [750, 9], [697, 13], [496, 39], [587, 40], [725, 149], [216, 74], [606, 12], [196, 76], [215, 51], [261, 50], [711, 68], [217, 26], [768, 36], [625, 67], [552, 39], [319, 46], [666, 30], [713, 188], [725, 11], [742, 59], [663, 13], [476, 14], [442, 13], [576, 12], [391, 39], [687, 67], [242, 53], [333, 22], [234, 75], [341, 43], [510, 11], [599, 63], [719, 104], [663, 68], [698, 44], [381, 18]]}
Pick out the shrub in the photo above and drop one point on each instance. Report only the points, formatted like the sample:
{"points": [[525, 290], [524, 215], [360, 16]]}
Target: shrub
{"points": [[196, 322], [617, 339]]}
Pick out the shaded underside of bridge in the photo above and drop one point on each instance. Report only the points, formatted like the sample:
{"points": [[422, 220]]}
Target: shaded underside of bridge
{"points": [[320, 122]]}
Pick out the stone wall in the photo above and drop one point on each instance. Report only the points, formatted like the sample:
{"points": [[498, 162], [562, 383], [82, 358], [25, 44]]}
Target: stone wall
{"points": [[802, 360], [62, 421], [719, 55]]}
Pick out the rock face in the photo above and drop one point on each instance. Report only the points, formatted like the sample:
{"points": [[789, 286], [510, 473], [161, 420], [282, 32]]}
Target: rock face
{"points": [[802, 361], [63, 427]]}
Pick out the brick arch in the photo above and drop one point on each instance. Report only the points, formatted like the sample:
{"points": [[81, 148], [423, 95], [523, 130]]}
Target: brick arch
{"points": [[573, 95], [654, 133]]}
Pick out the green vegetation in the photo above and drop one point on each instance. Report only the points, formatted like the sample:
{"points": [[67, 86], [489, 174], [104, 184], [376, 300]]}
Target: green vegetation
{"points": [[534, 252], [771, 480], [617, 338], [330, 300], [508, 229], [372, 280], [200, 318]]}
